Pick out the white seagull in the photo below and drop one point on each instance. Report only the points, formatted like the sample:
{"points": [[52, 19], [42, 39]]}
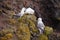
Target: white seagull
{"points": [[29, 11], [40, 25]]}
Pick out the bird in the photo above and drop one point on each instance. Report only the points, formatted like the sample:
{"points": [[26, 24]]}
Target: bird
{"points": [[22, 12], [29, 11], [25, 11], [40, 25]]}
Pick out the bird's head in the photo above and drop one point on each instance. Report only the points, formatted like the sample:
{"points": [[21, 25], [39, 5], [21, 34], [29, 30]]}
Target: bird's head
{"points": [[23, 9], [39, 19]]}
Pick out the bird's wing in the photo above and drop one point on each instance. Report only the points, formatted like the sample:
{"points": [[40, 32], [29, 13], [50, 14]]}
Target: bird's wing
{"points": [[29, 11], [40, 25]]}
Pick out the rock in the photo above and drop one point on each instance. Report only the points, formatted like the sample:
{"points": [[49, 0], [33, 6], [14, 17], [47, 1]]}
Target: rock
{"points": [[46, 9]]}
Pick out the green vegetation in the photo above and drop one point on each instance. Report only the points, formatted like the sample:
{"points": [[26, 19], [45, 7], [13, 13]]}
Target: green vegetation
{"points": [[42, 37], [48, 30], [24, 28]]}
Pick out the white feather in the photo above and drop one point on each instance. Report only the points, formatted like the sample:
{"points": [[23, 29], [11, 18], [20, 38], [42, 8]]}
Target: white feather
{"points": [[40, 25], [22, 12], [29, 11]]}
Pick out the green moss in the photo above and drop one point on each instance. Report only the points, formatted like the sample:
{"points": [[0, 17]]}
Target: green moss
{"points": [[42, 37], [27, 17], [23, 32], [21, 27], [48, 30], [23, 19], [30, 21], [32, 27]]}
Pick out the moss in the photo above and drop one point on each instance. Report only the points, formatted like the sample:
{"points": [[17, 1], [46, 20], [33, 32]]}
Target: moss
{"points": [[5, 35], [23, 32], [30, 20], [22, 19], [48, 30], [42, 37], [3, 38], [32, 27], [9, 35], [27, 17], [21, 27]]}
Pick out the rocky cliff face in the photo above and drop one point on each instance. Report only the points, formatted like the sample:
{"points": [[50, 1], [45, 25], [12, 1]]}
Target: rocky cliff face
{"points": [[49, 10]]}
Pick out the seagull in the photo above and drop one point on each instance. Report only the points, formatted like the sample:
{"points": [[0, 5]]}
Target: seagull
{"points": [[22, 12], [25, 11], [29, 11], [40, 25]]}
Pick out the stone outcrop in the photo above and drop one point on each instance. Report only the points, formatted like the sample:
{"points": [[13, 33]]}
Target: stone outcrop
{"points": [[49, 10]]}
